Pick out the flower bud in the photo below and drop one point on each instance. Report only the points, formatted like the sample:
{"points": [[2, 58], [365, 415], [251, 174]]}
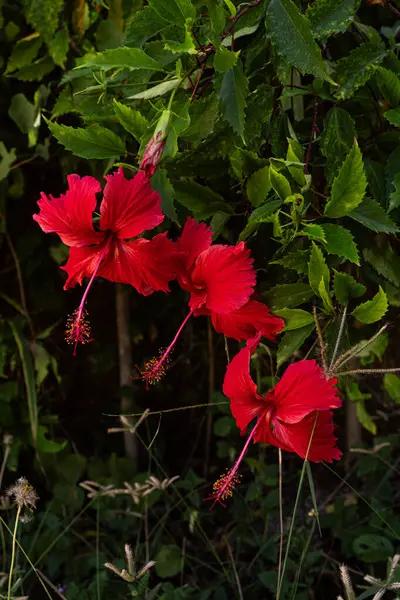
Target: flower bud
{"points": [[154, 149]]}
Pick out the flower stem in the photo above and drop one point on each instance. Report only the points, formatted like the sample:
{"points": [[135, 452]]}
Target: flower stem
{"points": [[13, 552]]}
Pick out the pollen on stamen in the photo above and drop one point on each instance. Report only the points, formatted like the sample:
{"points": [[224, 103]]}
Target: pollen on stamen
{"points": [[77, 330], [224, 487], [154, 369]]}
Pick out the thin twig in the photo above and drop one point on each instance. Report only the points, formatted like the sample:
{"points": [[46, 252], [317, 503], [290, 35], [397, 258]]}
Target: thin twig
{"points": [[20, 283], [211, 387], [24, 162], [355, 350], [320, 339], [314, 128], [239, 587], [367, 372], [167, 410], [392, 8], [339, 338], [280, 517]]}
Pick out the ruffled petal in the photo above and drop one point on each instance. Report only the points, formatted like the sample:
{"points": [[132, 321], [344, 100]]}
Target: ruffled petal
{"points": [[70, 216], [297, 437], [302, 390], [130, 206], [147, 265], [81, 263], [241, 390], [195, 238], [224, 278], [247, 321]]}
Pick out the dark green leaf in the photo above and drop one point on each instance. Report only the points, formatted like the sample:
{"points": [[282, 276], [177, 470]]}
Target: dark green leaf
{"points": [[217, 16], [392, 386], [163, 186], [372, 548], [43, 15], [59, 46], [203, 116], [23, 53], [168, 560], [93, 142], [394, 198], [339, 241], [345, 287], [291, 342], [262, 214], [225, 59], [372, 215], [7, 159], [389, 84], [232, 90], [298, 261], [355, 70], [288, 295], [258, 185], [142, 26], [36, 70], [124, 57], [200, 200], [174, 11], [290, 32], [372, 310], [131, 120], [376, 180], [327, 17], [349, 185], [385, 262], [337, 139]]}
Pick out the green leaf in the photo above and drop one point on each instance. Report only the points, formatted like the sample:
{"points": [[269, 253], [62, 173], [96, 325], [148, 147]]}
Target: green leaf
{"points": [[262, 214], [23, 53], [392, 386], [394, 198], [187, 46], [203, 117], [327, 17], [371, 214], [223, 426], [29, 376], [36, 70], [291, 342], [313, 496], [355, 70], [295, 153], [385, 262], [346, 287], [142, 26], [372, 548], [122, 58], [168, 559], [43, 15], [393, 116], [231, 90], [349, 185], [298, 261], [93, 142], [365, 418], [288, 295], [337, 139], [200, 200], [157, 90], [46, 446], [279, 183], [131, 120], [339, 241], [25, 115], [231, 7], [313, 231], [174, 11], [217, 16], [258, 185], [323, 291], [389, 85], [373, 310], [290, 32], [59, 46], [161, 184], [317, 270], [376, 180], [7, 159], [225, 59], [294, 318]]}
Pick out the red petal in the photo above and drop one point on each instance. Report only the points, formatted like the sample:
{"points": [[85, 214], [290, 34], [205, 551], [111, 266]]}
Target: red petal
{"points": [[224, 276], [297, 436], [239, 387], [81, 263], [247, 321], [302, 390], [70, 216], [195, 238], [130, 206], [147, 265]]}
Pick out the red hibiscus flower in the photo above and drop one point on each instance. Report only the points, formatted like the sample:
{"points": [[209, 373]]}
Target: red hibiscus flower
{"points": [[295, 415], [129, 207]]}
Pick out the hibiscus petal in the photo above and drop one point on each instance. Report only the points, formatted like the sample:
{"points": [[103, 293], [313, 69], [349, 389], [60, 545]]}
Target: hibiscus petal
{"points": [[297, 437], [70, 216], [302, 390], [195, 238], [224, 277], [130, 206], [244, 323], [82, 263], [147, 265], [241, 390]]}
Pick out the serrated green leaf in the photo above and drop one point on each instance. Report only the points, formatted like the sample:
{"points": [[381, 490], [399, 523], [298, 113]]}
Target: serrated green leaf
{"points": [[23, 53], [391, 383], [7, 159], [337, 139], [294, 318], [131, 120], [327, 17], [157, 90], [394, 198], [323, 292], [346, 287], [143, 25], [291, 342], [295, 153], [375, 173], [298, 261], [290, 32], [174, 11], [389, 85], [314, 232], [217, 16], [163, 186], [372, 310], [355, 70], [225, 59], [203, 116], [372, 215], [258, 185], [317, 270], [288, 295], [59, 46], [36, 70], [93, 142], [43, 15], [200, 200], [339, 241], [217, 222], [385, 262], [25, 116], [365, 418], [279, 183], [122, 58], [393, 116], [231, 90], [349, 185], [185, 47]]}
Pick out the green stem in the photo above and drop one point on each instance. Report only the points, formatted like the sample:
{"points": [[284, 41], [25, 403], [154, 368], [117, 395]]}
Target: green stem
{"points": [[13, 552]]}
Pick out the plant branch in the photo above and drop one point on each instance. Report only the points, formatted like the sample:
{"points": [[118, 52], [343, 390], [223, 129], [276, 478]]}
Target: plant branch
{"points": [[20, 283]]}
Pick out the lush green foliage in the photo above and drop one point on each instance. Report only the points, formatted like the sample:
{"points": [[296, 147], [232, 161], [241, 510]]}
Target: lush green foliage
{"points": [[284, 134]]}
